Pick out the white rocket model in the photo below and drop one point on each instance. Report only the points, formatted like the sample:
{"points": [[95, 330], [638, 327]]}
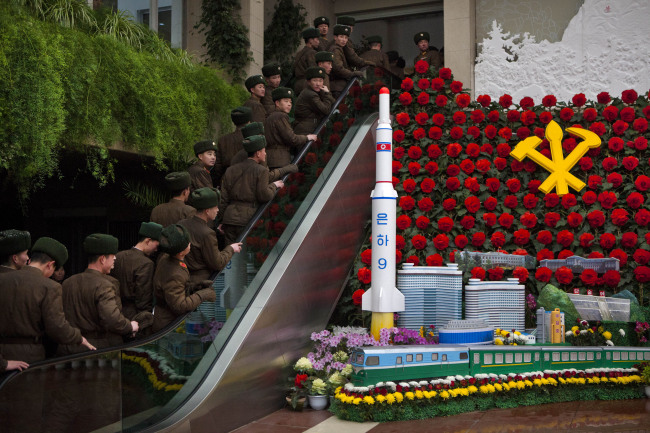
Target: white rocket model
{"points": [[383, 296]]}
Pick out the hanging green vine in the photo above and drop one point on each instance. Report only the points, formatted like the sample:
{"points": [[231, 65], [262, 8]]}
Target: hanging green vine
{"points": [[282, 36], [226, 38]]}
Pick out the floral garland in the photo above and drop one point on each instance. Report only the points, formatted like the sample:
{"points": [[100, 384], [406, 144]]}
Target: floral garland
{"points": [[161, 376], [386, 401]]}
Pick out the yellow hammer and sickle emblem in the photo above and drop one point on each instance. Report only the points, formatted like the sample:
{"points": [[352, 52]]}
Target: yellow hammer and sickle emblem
{"points": [[559, 167]]}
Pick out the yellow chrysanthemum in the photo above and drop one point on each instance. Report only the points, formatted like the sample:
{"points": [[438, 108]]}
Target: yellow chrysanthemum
{"points": [[444, 395], [528, 383], [591, 330], [505, 387], [490, 388], [498, 342], [483, 389], [390, 398], [380, 398], [464, 392], [604, 379], [537, 382], [601, 329], [517, 333], [452, 393], [521, 384], [409, 395], [574, 329], [419, 395], [498, 387], [433, 394], [614, 379], [472, 389], [561, 379], [368, 400], [581, 381], [357, 400], [607, 335], [398, 397], [596, 379], [552, 381]]}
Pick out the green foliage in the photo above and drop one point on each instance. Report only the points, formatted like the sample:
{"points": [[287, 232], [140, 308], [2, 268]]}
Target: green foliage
{"points": [[282, 36], [64, 88], [143, 195], [226, 38]]}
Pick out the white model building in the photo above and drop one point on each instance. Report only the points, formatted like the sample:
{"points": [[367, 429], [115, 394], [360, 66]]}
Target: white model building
{"points": [[578, 264], [544, 325], [491, 259], [433, 295], [501, 304]]}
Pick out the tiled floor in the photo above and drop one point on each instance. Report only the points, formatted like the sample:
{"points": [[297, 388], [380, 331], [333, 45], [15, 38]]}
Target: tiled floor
{"points": [[632, 416]]}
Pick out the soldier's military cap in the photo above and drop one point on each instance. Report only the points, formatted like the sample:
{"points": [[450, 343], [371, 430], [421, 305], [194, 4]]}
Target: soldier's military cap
{"points": [[374, 39], [321, 20], [178, 180], [324, 56], [14, 241], [241, 115], [254, 143], [150, 230], [173, 239], [419, 36], [309, 33], [204, 146], [340, 29], [271, 69], [315, 72], [346, 20], [253, 128], [253, 81], [205, 198], [281, 93], [100, 244], [53, 248]]}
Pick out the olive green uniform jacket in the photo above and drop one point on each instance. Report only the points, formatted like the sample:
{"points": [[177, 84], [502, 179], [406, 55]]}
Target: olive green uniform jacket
{"points": [[305, 59], [280, 140], [258, 112], [5, 269], [267, 100], [204, 257], [200, 176], [245, 186], [323, 44], [431, 57], [91, 302], [30, 308], [341, 70], [378, 58], [134, 272], [311, 108], [171, 212], [227, 148]]}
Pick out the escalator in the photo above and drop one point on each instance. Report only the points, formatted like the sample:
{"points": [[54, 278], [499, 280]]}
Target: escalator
{"points": [[187, 378]]}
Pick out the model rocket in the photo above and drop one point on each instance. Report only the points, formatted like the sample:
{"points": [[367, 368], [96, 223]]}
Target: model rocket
{"points": [[383, 298]]}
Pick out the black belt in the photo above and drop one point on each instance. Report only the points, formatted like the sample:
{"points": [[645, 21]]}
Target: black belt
{"points": [[20, 340]]}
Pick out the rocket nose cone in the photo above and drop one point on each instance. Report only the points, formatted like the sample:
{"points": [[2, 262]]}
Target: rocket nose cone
{"points": [[384, 90]]}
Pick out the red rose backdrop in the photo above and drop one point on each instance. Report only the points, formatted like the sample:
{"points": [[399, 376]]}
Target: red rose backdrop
{"points": [[459, 188]]}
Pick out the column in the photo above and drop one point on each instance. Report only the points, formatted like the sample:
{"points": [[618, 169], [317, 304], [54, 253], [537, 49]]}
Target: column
{"points": [[460, 39]]}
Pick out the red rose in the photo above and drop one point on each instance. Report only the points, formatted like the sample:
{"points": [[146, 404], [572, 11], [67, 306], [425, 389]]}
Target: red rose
{"points": [[456, 86], [574, 219], [543, 274], [423, 83], [500, 163], [510, 201], [589, 277], [403, 119], [594, 182], [463, 100], [641, 256], [505, 101], [423, 98], [530, 201], [564, 275], [471, 183], [521, 237], [586, 239], [427, 185], [610, 113], [435, 133], [400, 242], [422, 222], [642, 274], [629, 96], [356, 299], [640, 143], [398, 137], [407, 84], [490, 131], [366, 256], [406, 202], [528, 117], [598, 128], [640, 125], [642, 217], [467, 222], [441, 100], [409, 185], [403, 222], [478, 273], [589, 197], [473, 204], [565, 238], [405, 99], [415, 152], [467, 166], [545, 117], [444, 73], [421, 66], [492, 184], [437, 84], [472, 150], [506, 220], [490, 203], [566, 114], [529, 220], [398, 256], [495, 274], [478, 239], [596, 218], [425, 204], [484, 100], [431, 167], [607, 241], [498, 239], [413, 259], [544, 254], [419, 242], [627, 114], [414, 168], [590, 114], [619, 217], [551, 200], [551, 219], [619, 127], [398, 152], [456, 133], [629, 240], [445, 224], [364, 275], [586, 163], [630, 162], [449, 204], [549, 101], [454, 149], [489, 219], [438, 119], [434, 260], [579, 99], [545, 237], [615, 179], [453, 170], [421, 118], [505, 133], [607, 199], [477, 116], [595, 255], [603, 98], [434, 151], [642, 183], [461, 241], [513, 116], [483, 165], [441, 242], [611, 278], [521, 273], [452, 184]]}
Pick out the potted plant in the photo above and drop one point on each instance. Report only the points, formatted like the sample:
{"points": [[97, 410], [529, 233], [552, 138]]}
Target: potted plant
{"points": [[297, 392], [318, 394], [645, 377]]}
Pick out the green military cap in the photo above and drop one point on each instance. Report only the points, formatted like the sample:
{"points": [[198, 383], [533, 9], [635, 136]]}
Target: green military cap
{"points": [[346, 20], [205, 198], [241, 115], [14, 241], [340, 29], [321, 20], [253, 81], [419, 36], [315, 72], [100, 244], [309, 33], [253, 128], [178, 180], [204, 146], [254, 143], [374, 39], [53, 248], [271, 69], [150, 230], [281, 93], [173, 239], [324, 56]]}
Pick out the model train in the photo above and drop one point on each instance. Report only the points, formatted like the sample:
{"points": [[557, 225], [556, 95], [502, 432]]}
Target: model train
{"points": [[402, 363]]}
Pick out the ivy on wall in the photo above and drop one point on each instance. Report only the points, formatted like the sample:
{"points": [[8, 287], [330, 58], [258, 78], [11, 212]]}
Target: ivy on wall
{"points": [[282, 36]]}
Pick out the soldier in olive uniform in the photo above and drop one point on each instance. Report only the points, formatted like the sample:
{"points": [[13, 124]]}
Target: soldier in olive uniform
{"points": [[206, 154], [314, 103], [280, 138], [31, 308], [322, 24], [245, 186], [256, 85], [171, 279], [324, 60], [272, 75], [230, 144], [90, 299], [174, 210], [14, 245], [205, 258], [374, 54], [351, 55], [134, 271], [305, 58], [341, 70], [432, 57]]}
